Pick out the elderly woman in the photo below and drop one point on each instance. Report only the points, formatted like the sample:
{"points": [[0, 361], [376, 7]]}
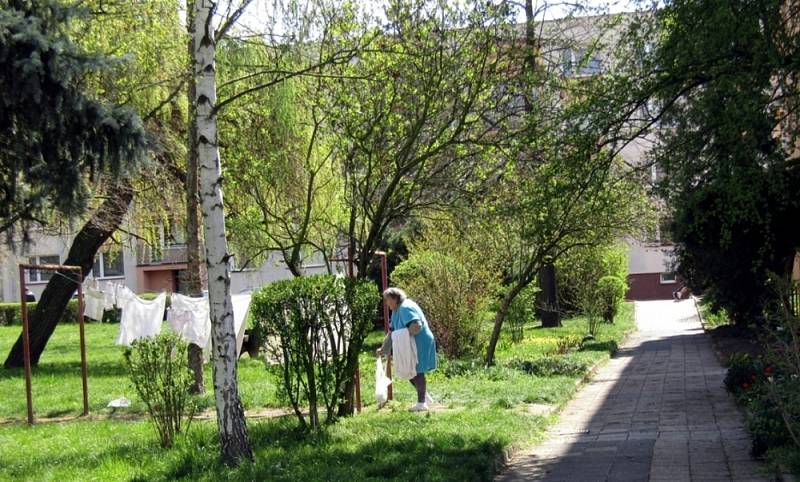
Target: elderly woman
{"points": [[408, 314]]}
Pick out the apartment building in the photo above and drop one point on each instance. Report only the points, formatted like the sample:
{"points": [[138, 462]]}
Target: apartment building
{"points": [[140, 266]]}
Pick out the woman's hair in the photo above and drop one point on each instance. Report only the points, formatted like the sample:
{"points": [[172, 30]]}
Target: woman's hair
{"points": [[396, 293]]}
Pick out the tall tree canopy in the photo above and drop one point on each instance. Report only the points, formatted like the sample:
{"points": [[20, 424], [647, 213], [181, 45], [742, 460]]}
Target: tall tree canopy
{"points": [[720, 86], [55, 137]]}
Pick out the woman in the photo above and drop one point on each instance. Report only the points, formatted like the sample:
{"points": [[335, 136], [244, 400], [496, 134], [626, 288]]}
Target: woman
{"points": [[407, 314]]}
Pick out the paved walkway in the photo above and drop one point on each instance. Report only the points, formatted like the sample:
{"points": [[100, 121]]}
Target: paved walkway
{"points": [[657, 411]]}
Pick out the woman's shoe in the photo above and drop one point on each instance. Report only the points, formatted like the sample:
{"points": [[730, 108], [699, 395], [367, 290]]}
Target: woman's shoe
{"points": [[419, 407]]}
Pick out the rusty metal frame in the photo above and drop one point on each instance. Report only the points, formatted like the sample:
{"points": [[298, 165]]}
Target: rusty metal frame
{"points": [[26, 341], [384, 285]]}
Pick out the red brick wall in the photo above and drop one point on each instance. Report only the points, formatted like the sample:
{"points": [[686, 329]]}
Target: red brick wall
{"points": [[647, 286], [158, 281]]}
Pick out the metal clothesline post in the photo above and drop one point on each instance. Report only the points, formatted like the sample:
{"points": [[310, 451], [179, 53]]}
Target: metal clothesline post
{"points": [[26, 341]]}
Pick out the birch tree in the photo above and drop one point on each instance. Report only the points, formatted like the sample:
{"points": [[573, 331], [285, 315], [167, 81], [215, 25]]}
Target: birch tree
{"points": [[234, 442]]}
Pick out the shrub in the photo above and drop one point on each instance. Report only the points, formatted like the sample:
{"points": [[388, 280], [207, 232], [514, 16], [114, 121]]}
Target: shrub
{"points": [[520, 311], [743, 373], [611, 290], [157, 368], [764, 419], [453, 297], [581, 270], [551, 365], [315, 326], [566, 343]]}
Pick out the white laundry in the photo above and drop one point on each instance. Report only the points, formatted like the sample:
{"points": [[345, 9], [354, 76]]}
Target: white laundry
{"points": [[140, 318], [404, 354], [241, 305], [110, 296], [189, 318], [121, 402], [94, 304]]}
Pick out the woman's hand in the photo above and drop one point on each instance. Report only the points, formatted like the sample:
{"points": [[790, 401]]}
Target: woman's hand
{"points": [[379, 352]]}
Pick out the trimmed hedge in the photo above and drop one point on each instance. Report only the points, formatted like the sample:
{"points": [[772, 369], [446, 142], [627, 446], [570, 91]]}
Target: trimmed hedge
{"points": [[11, 313]]}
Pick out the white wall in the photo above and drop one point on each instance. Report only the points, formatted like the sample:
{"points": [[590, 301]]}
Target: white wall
{"points": [[49, 245], [644, 258], [273, 269]]}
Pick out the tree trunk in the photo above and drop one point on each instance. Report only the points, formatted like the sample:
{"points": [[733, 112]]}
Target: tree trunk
{"points": [[59, 290], [234, 441], [548, 297], [499, 317], [194, 274]]}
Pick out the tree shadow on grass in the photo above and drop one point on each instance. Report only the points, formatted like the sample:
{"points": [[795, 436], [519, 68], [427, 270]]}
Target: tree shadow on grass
{"points": [[609, 346], [284, 453], [100, 369]]}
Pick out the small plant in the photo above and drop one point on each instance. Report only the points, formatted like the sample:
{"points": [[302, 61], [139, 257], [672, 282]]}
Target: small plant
{"points": [[565, 344], [158, 371]]}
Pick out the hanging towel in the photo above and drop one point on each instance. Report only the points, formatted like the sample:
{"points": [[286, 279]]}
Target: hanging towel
{"points": [[110, 296], [404, 354], [241, 306], [94, 304], [189, 318], [140, 318]]}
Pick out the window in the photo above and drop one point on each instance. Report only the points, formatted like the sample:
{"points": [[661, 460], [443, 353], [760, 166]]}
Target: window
{"points": [[109, 264], [36, 276], [668, 278], [576, 62]]}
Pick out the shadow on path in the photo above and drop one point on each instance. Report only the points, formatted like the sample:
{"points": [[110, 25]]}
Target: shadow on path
{"points": [[657, 411]]}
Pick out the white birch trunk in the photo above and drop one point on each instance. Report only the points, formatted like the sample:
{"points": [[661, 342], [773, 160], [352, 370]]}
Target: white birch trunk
{"points": [[234, 441]]}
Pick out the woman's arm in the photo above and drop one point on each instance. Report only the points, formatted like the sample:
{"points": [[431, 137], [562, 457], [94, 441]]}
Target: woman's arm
{"points": [[386, 347]]}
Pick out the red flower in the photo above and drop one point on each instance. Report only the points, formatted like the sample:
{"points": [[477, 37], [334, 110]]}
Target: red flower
{"points": [[768, 371], [745, 386]]}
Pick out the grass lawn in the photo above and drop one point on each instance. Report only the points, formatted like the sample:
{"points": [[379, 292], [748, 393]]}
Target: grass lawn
{"points": [[485, 412]]}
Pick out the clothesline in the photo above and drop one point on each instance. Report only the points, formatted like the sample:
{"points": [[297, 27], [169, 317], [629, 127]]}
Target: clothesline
{"points": [[187, 316]]}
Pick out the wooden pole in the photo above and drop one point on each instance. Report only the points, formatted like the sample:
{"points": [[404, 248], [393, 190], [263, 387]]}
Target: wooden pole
{"points": [[84, 369], [351, 274], [26, 340], [26, 343]]}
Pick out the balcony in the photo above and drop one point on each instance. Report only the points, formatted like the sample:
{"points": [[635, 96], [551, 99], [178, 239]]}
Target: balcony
{"points": [[155, 255]]}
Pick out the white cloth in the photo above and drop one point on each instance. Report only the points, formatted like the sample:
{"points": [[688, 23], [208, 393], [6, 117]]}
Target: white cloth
{"points": [[140, 318], [404, 354], [241, 306], [188, 317], [94, 304], [382, 383], [110, 296]]}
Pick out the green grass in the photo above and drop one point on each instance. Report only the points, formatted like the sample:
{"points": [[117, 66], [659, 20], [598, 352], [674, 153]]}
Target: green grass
{"points": [[56, 384], [713, 319], [484, 415]]}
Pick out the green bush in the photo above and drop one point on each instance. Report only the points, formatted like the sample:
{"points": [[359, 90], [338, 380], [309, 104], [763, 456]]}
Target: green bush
{"points": [[743, 373], [314, 327], [454, 299], [611, 289], [764, 420], [579, 273], [520, 311], [157, 368], [551, 365]]}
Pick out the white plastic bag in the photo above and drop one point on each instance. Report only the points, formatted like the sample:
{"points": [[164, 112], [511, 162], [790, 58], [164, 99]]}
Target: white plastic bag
{"points": [[382, 383]]}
